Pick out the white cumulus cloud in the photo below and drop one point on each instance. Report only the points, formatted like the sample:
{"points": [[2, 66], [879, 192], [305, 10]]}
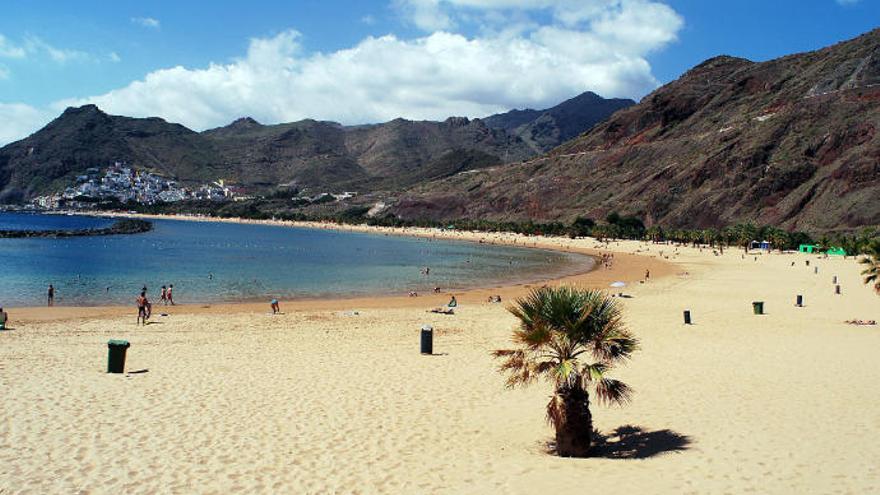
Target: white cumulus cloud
{"points": [[18, 120], [596, 45], [430, 77]]}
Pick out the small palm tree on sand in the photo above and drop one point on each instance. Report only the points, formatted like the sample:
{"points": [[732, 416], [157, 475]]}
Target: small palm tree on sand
{"points": [[872, 262], [572, 338]]}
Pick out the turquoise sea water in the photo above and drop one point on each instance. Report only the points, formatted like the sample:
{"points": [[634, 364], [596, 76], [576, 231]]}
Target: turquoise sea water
{"points": [[225, 262]]}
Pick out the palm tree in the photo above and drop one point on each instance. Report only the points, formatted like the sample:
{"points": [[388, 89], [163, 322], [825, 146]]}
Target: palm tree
{"points": [[572, 338], [872, 262]]}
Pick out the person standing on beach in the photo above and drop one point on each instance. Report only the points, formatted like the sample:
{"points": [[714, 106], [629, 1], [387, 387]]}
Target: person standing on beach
{"points": [[51, 295], [168, 297], [164, 296], [142, 308]]}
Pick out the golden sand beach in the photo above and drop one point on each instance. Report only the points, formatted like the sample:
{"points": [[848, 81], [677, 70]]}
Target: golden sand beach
{"points": [[334, 397]]}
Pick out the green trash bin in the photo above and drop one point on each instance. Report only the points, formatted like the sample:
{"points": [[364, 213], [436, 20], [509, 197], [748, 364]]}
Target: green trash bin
{"points": [[116, 355], [758, 307]]}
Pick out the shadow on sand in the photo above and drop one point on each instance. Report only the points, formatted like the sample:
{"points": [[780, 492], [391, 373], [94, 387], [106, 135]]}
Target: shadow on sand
{"points": [[633, 442]]}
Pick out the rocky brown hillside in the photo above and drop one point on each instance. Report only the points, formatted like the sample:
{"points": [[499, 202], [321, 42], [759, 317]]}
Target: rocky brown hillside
{"points": [[396, 154], [544, 130], [84, 137], [791, 142], [390, 156]]}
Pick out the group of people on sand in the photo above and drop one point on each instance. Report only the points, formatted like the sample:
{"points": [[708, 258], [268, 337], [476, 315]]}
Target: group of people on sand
{"points": [[145, 307], [607, 260]]}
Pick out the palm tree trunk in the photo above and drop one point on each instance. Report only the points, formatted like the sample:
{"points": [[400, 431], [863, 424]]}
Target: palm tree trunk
{"points": [[574, 424]]}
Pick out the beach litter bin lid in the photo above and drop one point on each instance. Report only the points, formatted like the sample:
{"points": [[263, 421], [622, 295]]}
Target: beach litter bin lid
{"points": [[118, 343]]}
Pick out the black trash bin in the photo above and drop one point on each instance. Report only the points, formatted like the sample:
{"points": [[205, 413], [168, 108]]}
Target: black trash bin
{"points": [[687, 317], [758, 307], [427, 339], [116, 355]]}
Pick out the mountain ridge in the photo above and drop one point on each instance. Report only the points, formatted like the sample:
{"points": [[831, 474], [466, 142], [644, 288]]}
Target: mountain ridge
{"points": [[309, 153], [791, 142]]}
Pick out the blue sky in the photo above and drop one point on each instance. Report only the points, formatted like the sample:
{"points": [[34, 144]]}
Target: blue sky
{"points": [[204, 63]]}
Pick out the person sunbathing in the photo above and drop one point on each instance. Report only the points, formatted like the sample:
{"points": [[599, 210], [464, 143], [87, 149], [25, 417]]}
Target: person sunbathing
{"points": [[443, 310], [449, 309], [861, 322]]}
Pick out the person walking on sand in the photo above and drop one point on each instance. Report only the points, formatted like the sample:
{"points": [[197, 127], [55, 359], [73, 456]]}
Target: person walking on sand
{"points": [[142, 308], [51, 295], [164, 296], [647, 274], [275, 307], [169, 298]]}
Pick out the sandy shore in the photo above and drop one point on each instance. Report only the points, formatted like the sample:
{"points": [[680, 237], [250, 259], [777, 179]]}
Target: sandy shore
{"points": [[626, 267], [323, 400]]}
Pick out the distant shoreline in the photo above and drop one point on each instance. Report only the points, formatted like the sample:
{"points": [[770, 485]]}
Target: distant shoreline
{"points": [[120, 227], [627, 267]]}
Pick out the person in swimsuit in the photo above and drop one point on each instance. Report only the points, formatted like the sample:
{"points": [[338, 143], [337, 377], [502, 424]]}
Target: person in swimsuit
{"points": [[142, 308], [169, 298], [275, 307], [163, 297], [51, 295]]}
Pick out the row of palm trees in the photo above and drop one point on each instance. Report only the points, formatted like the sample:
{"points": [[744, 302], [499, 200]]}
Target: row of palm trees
{"points": [[872, 265]]}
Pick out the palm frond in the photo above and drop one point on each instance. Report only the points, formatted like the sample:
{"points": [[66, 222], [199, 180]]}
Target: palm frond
{"points": [[611, 391], [572, 337], [555, 410]]}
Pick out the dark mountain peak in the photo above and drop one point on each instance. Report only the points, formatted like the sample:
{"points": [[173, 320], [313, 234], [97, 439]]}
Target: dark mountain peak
{"points": [[81, 114], [84, 109], [585, 97], [543, 130], [457, 121], [244, 122], [715, 67], [722, 60], [77, 118]]}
